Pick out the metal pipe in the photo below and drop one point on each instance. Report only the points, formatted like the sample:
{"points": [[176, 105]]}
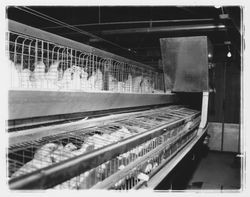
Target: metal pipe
{"points": [[200, 27], [135, 22], [223, 106]]}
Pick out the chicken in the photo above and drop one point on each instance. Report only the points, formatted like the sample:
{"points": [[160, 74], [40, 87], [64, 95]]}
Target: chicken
{"points": [[146, 85], [119, 183], [100, 170], [40, 160], [87, 179], [188, 125], [70, 147], [76, 80], [84, 148], [148, 168], [125, 130], [95, 81], [14, 74], [39, 75], [84, 82], [99, 80], [66, 82], [137, 151], [143, 177], [97, 141], [61, 154], [121, 86], [31, 166], [25, 81], [52, 75], [155, 164], [109, 138], [129, 84], [45, 151], [137, 84], [70, 184]]}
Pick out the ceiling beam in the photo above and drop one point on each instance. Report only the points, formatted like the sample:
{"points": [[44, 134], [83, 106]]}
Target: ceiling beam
{"points": [[135, 22], [177, 28]]}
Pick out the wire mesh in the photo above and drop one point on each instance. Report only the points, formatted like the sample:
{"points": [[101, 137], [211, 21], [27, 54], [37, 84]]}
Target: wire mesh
{"points": [[30, 156], [144, 171], [38, 64]]}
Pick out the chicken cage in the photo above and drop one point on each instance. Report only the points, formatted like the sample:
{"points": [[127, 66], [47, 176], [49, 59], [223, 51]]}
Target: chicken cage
{"points": [[120, 150], [41, 64], [145, 142]]}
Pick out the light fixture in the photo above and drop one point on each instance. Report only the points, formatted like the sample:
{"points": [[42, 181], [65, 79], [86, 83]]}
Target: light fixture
{"points": [[217, 6], [209, 55], [229, 54], [228, 43]]}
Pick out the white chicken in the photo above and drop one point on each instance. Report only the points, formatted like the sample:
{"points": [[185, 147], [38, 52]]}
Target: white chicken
{"points": [[143, 177], [155, 164], [146, 85], [14, 74], [25, 76], [76, 80], [113, 83], [137, 150], [66, 82], [137, 84], [70, 184], [52, 75], [86, 179], [85, 83], [45, 151], [129, 84], [39, 75], [61, 153], [84, 148], [41, 159], [97, 141], [99, 80], [121, 86], [70, 147], [148, 168]]}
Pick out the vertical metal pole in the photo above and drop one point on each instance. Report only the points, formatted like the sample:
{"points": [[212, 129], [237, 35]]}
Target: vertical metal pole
{"points": [[223, 106], [99, 14]]}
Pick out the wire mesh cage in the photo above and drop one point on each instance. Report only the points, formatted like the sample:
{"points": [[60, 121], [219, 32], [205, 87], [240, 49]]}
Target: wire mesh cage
{"points": [[27, 157], [38, 64]]}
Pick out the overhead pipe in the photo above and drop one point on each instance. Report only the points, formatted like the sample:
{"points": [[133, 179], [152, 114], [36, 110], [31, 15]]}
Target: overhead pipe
{"points": [[179, 28], [135, 22]]}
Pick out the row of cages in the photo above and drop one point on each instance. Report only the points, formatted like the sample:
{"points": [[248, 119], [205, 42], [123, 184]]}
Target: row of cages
{"points": [[39, 64], [124, 171]]}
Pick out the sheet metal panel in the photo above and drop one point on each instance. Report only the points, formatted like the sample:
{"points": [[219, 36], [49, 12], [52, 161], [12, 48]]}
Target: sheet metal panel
{"points": [[185, 63], [28, 103]]}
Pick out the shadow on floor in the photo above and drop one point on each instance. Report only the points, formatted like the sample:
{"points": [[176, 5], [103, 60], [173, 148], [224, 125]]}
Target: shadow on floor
{"points": [[203, 170]]}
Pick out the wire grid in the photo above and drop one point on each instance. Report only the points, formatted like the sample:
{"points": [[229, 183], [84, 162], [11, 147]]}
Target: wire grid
{"points": [[34, 155], [100, 173], [38, 64], [142, 172]]}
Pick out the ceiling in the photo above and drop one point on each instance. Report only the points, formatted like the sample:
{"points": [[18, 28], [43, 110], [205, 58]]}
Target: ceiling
{"points": [[134, 32]]}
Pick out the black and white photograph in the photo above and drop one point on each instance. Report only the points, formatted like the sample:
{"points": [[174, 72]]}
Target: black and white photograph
{"points": [[124, 98]]}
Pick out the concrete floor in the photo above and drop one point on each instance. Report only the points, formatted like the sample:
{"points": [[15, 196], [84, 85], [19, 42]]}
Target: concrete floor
{"points": [[217, 171]]}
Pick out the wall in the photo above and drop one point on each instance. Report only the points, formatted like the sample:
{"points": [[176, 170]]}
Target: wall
{"points": [[224, 106]]}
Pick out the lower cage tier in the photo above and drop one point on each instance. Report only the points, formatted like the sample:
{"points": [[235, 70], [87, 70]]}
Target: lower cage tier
{"points": [[121, 154]]}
